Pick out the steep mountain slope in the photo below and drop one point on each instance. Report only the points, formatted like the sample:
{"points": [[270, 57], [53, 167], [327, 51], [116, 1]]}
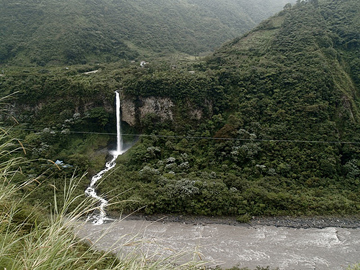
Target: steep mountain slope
{"points": [[283, 109], [267, 125], [299, 65], [41, 32]]}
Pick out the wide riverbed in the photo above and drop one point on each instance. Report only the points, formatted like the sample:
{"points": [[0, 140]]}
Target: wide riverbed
{"points": [[227, 245]]}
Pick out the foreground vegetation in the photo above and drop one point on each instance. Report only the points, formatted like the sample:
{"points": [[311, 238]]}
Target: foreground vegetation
{"points": [[42, 237], [36, 237], [28, 238], [31, 240], [267, 125]]}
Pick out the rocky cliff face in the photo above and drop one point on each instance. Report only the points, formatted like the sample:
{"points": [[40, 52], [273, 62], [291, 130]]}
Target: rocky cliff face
{"points": [[128, 109], [132, 111]]}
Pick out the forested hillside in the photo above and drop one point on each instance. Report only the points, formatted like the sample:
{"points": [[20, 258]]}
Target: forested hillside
{"points": [[267, 125], [86, 31]]}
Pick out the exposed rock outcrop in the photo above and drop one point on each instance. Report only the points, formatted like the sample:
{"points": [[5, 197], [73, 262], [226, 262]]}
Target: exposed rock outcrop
{"points": [[128, 110], [131, 109], [160, 106]]}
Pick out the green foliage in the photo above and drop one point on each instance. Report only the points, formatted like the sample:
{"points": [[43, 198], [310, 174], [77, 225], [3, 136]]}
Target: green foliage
{"points": [[28, 239], [244, 218], [79, 31], [285, 82], [38, 237], [267, 125], [354, 267]]}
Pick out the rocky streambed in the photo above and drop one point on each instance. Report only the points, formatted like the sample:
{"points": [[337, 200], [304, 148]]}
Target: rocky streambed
{"points": [[284, 243]]}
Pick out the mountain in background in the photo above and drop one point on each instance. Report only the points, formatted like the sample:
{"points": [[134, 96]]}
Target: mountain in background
{"points": [[35, 32], [268, 124]]}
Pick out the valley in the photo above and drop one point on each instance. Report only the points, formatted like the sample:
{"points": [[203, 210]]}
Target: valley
{"points": [[230, 110]]}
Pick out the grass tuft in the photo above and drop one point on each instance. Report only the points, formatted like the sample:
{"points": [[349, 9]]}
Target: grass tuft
{"points": [[38, 239]]}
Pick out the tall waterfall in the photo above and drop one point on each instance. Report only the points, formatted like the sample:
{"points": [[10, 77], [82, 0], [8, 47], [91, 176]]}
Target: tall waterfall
{"points": [[119, 145], [90, 191]]}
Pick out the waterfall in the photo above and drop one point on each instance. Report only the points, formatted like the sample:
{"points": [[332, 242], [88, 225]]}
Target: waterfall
{"points": [[119, 145], [90, 191]]}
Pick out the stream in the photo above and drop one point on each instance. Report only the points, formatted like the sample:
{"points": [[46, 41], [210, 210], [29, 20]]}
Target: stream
{"points": [[91, 189], [227, 245]]}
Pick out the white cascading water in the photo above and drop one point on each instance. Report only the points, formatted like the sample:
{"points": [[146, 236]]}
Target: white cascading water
{"points": [[119, 143], [90, 191]]}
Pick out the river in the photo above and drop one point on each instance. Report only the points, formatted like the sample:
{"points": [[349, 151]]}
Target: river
{"points": [[227, 245]]}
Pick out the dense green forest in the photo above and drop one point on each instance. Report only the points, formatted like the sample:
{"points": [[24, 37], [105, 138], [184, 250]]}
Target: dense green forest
{"points": [[86, 31], [266, 125]]}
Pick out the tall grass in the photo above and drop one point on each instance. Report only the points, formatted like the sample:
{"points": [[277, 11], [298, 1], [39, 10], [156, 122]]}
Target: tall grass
{"points": [[39, 238], [354, 267]]}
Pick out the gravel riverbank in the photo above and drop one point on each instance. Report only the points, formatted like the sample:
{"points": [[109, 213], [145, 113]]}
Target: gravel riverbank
{"points": [[285, 221]]}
